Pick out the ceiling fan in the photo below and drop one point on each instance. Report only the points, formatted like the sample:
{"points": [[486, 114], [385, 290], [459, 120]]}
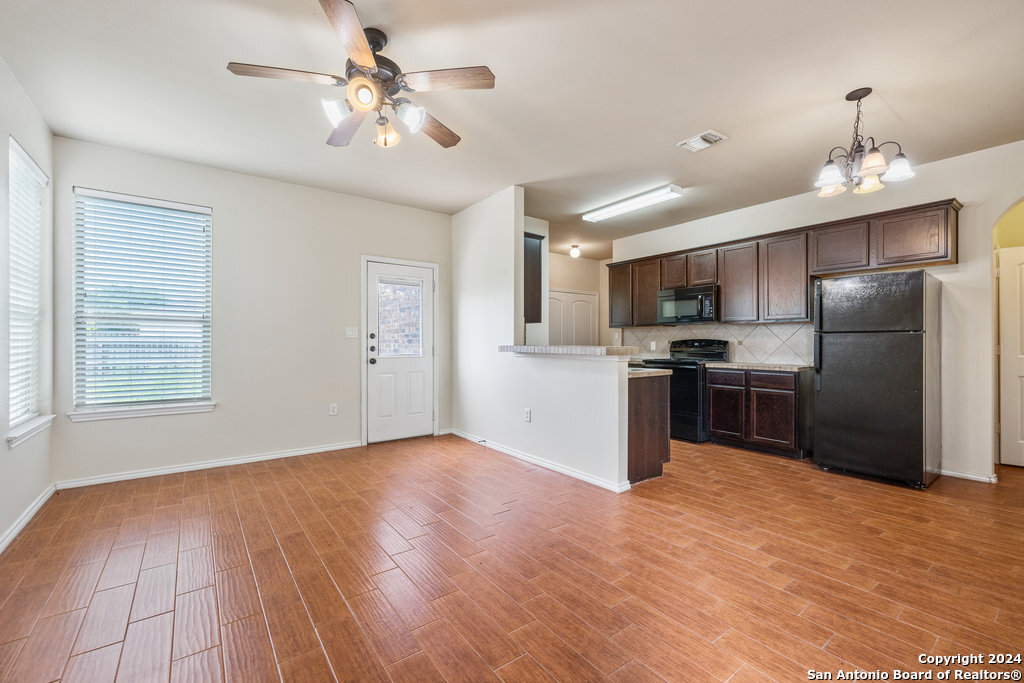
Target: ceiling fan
{"points": [[374, 82]]}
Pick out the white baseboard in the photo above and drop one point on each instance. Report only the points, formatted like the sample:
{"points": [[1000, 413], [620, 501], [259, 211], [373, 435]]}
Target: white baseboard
{"points": [[546, 464], [203, 465], [25, 516], [988, 479], [442, 432]]}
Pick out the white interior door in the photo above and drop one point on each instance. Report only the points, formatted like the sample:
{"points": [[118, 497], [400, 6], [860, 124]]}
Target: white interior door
{"points": [[1011, 356], [400, 351], [573, 318]]}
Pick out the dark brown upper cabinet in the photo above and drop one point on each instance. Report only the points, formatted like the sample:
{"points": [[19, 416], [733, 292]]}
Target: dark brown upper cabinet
{"points": [[620, 296], [633, 293], [913, 236], [841, 247], [737, 277], [674, 271], [645, 281], [702, 267], [785, 287], [533, 274], [916, 236]]}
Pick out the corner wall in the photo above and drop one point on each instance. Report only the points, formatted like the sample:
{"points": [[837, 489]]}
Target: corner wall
{"points": [[25, 469], [578, 406], [987, 183], [286, 268]]}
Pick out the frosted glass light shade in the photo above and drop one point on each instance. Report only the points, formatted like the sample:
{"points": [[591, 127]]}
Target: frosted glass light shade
{"points": [[832, 190], [575, 251], [873, 164], [411, 115], [336, 110], [387, 136], [830, 175], [899, 169], [868, 185]]}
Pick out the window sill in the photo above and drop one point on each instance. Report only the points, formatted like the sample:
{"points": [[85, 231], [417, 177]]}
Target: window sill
{"points": [[141, 411], [27, 430]]}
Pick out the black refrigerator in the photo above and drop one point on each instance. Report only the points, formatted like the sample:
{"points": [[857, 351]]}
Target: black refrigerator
{"points": [[876, 376]]}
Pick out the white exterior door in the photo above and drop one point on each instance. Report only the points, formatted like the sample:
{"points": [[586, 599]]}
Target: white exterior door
{"points": [[1011, 356], [399, 351], [572, 318]]}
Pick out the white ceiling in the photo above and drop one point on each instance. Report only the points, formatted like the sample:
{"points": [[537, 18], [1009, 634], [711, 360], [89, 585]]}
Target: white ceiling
{"points": [[590, 95]]}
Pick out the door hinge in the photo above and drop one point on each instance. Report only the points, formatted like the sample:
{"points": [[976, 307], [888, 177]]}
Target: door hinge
{"points": [[999, 349], [433, 285], [997, 272], [998, 427]]}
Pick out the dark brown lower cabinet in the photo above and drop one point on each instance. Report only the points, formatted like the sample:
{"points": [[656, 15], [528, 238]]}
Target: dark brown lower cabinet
{"points": [[761, 410], [648, 439]]}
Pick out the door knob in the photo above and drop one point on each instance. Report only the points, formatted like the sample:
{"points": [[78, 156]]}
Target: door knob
{"points": [[373, 361]]}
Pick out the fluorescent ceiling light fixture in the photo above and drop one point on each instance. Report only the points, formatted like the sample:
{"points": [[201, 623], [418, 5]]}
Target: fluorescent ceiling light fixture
{"points": [[633, 203]]}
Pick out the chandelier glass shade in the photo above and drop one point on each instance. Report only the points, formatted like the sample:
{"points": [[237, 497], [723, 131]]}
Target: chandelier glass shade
{"points": [[860, 168]]}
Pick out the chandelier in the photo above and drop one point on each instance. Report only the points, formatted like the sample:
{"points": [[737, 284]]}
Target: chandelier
{"points": [[854, 166]]}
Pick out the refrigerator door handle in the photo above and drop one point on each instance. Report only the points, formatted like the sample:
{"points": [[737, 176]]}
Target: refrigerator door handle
{"points": [[817, 305], [817, 361]]}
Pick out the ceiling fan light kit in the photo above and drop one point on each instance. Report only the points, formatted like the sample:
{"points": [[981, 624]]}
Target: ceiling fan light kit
{"points": [[374, 82], [854, 166], [633, 203]]}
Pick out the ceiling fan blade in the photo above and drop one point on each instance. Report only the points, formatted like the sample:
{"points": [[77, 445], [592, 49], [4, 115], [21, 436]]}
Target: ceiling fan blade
{"points": [[342, 15], [285, 74], [439, 133], [343, 134], [465, 78]]}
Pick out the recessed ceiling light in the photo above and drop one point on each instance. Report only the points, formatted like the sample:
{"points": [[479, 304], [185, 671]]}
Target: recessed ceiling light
{"points": [[633, 203], [702, 140]]}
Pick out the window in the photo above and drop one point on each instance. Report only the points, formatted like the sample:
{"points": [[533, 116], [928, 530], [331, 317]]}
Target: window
{"points": [[142, 301], [400, 318], [26, 183]]}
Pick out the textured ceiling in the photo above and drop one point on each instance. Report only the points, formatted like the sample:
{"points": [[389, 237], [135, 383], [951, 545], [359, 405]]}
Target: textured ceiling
{"points": [[590, 98]]}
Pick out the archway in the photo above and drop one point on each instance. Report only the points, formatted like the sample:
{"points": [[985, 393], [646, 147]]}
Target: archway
{"points": [[1008, 242]]}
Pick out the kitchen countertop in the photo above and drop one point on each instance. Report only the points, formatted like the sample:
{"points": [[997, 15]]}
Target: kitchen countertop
{"points": [[572, 350], [757, 366], [639, 373]]}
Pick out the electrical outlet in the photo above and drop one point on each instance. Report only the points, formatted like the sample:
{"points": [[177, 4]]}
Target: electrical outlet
{"points": [[654, 346], [332, 409], [527, 415], [352, 332]]}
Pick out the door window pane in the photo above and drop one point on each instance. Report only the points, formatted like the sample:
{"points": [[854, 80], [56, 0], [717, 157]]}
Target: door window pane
{"points": [[399, 319]]}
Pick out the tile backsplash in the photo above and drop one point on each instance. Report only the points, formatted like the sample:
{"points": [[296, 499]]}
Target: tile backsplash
{"points": [[775, 343]]}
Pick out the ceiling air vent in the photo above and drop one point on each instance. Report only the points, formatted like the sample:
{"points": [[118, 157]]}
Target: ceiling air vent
{"points": [[701, 141]]}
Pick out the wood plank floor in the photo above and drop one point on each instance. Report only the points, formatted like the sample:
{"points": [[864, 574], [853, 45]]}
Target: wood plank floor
{"points": [[438, 559]]}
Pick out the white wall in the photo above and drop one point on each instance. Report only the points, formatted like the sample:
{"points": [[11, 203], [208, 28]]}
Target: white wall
{"points": [[25, 469], [537, 333], [286, 263], [987, 183], [578, 406], [575, 274]]}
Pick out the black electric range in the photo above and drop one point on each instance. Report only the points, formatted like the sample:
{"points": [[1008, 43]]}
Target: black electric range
{"points": [[686, 402]]}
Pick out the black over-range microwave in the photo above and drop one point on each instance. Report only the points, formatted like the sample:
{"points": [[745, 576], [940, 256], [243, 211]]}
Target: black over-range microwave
{"points": [[688, 305]]}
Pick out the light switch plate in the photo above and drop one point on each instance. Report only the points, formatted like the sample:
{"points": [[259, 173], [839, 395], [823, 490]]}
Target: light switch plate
{"points": [[654, 346], [351, 332]]}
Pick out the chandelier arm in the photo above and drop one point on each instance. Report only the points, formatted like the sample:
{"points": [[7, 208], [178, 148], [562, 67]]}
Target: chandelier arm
{"points": [[845, 156], [899, 147]]}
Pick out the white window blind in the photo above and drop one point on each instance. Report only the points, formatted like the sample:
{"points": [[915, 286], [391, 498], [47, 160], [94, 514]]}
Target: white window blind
{"points": [[142, 300], [26, 183]]}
